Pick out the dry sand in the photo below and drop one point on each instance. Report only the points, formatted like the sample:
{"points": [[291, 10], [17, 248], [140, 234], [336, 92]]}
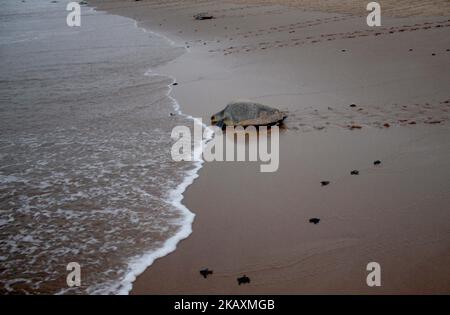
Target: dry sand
{"points": [[314, 64]]}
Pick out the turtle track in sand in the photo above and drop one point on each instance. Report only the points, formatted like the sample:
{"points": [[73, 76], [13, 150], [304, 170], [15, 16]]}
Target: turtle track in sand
{"points": [[325, 37], [386, 116]]}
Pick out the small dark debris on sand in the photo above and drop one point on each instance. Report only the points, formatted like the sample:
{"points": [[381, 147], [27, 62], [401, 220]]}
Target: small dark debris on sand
{"points": [[171, 114], [314, 220], [354, 172], [433, 54], [206, 272], [386, 125], [433, 122], [324, 183], [352, 105], [377, 162], [352, 127], [343, 50], [410, 49], [175, 84], [243, 280], [203, 16]]}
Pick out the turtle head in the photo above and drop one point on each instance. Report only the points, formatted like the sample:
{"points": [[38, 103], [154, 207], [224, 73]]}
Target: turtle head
{"points": [[214, 119], [217, 119]]}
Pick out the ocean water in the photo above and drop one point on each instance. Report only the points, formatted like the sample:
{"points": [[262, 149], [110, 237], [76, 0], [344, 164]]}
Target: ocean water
{"points": [[85, 168]]}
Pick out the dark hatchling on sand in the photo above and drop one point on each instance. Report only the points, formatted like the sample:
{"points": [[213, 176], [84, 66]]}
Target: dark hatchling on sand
{"points": [[314, 220], [206, 272], [243, 280]]}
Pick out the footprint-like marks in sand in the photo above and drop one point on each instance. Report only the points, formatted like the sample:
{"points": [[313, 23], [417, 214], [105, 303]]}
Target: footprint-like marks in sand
{"points": [[291, 42], [291, 28], [357, 117]]}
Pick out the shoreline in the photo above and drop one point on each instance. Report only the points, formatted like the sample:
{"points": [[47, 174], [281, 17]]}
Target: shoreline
{"points": [[83, 137], [177, 272], [175, 197]]}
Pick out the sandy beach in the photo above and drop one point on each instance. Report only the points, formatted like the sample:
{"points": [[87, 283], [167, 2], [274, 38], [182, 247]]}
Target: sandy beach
{"points": [[314, 59]]}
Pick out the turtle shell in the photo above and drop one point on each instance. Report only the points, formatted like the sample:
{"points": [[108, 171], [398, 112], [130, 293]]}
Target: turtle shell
{"points": [[247, 113]]}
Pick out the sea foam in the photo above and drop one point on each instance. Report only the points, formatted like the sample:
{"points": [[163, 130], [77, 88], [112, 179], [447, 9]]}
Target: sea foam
{"points": [[139, 264]]}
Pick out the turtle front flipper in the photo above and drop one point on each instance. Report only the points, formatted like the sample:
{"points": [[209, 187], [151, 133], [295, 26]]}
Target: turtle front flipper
{"points": [[220, 124]]}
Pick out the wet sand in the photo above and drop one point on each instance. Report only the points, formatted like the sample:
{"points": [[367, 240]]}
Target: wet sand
{"points": [[314, 65]]}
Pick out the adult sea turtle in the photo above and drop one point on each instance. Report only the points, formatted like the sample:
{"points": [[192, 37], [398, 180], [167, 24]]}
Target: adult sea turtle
{"points": [[247, 113]]}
